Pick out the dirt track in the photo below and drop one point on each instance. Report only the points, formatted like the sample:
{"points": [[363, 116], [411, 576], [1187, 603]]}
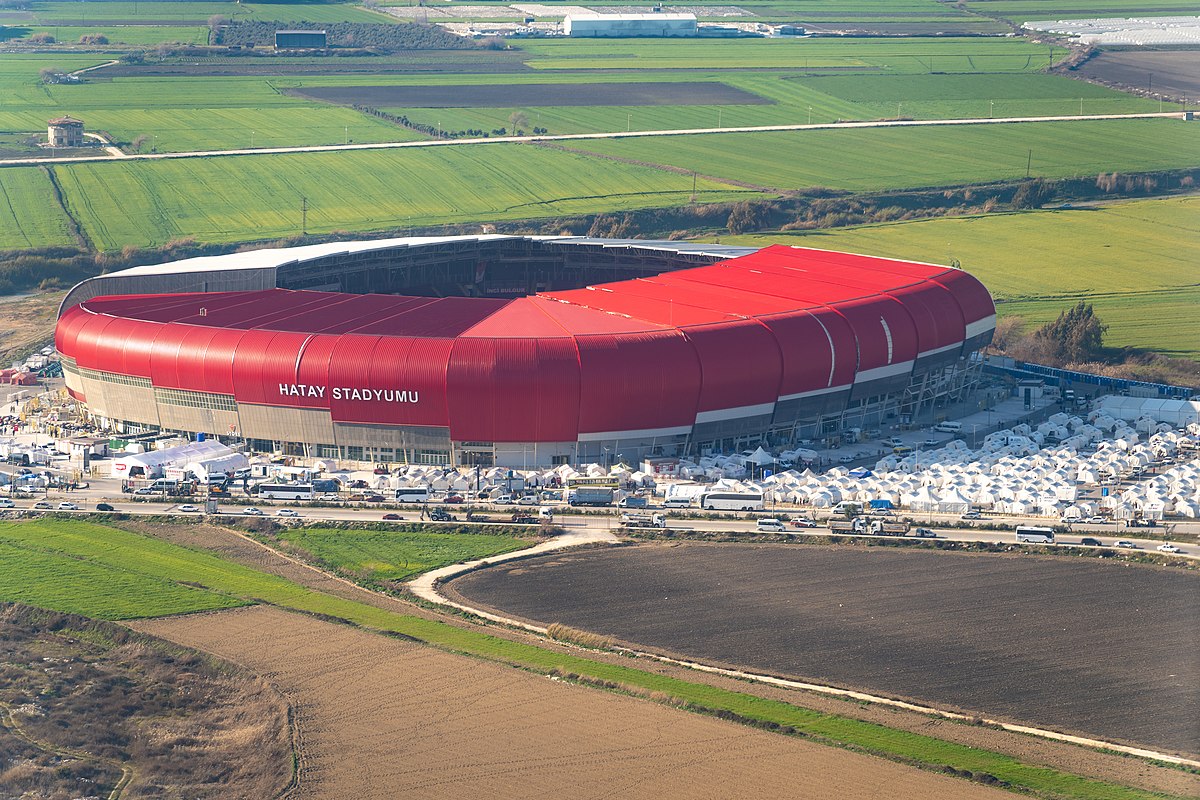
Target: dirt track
{"points": [[385, 718]]}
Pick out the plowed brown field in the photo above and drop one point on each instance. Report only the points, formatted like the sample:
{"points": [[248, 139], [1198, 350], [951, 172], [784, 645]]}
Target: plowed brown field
{"points": [[379, 717], [1082, 645]]}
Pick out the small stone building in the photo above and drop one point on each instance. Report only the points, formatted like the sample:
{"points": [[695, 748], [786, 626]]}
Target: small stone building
{"points": [[65, 132]]}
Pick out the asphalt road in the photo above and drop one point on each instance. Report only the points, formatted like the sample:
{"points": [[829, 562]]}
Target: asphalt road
{"points": [[12, 162], [87, 499]]}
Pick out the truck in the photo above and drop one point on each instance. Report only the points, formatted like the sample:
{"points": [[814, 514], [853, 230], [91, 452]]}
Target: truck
{"points": [[524, 518], [591, 496], [633, 501], [643, 520], [881, 527], [866, 525], [856, 525]]}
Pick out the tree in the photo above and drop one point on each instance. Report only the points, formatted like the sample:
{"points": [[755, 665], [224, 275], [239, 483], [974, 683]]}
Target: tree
{"points": [[1031, 194], [519, 121], [746, 216], [1076, 336]]}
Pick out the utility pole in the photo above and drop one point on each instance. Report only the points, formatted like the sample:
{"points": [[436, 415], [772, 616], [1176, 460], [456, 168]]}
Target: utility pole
{"points": [[303, 215], [693, 186], [1028, 163]]}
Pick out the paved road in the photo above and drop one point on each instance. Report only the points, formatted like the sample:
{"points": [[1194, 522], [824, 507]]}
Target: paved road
{"points": [[328, 148], [595, 527]]}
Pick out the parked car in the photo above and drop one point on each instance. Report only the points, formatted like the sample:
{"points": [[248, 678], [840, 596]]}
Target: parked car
{"points": [[251, 511], [845, 458], [1125, 543], [972, 515], [930, 442], [1167, 547], [144, 490], [188, 508], [801, 522], [1091, 541], [392, 517], [893, 441], [286, 512]]}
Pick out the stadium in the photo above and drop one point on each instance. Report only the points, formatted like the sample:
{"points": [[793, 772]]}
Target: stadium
{"points": [[520, 351]]}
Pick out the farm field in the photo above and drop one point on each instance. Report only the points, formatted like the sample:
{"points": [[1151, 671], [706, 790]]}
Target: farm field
{"points": [[137, 35], [1022, 10], [1132, 260], [896, 158], [369, 190], [74, 549], [435, 725], [30, 215], [1175, 73], [394, 555], [198, 12], [1077, 645]]}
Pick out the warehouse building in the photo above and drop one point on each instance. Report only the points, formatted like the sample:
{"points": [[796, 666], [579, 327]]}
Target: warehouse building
{"points": [[630, 25], [520, 351], [300, 40]]}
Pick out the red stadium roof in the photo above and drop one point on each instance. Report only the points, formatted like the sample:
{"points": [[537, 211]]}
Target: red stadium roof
{"points": [[653, 354]]}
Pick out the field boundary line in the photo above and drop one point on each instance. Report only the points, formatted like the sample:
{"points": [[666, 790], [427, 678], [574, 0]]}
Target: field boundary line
{"points": [[426, 587], [565, 137]]}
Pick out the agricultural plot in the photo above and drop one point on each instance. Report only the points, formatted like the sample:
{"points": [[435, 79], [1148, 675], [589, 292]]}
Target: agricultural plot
{"points": [[895, 158], [235, 199], [1079, 645], [1022, 10], [30, 214], [435, 725], [1133, 261], [187, 12], [633, 93], [394, 556], [1173, 73], [136, 35]]}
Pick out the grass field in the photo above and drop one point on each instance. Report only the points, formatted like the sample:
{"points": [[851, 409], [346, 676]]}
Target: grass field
{"points": [[234, 199], [1022, 10], [99, 571], [136, 35], [895, 158], [1134, 261], [395, 556], [199, 12], [30, 216]]}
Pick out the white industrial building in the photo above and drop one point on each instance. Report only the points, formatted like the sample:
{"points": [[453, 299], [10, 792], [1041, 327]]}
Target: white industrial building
{"points": [[628, 25]]}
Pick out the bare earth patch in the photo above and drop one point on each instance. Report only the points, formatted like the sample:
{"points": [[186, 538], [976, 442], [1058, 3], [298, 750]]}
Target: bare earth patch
{"points": [[379, 717]]}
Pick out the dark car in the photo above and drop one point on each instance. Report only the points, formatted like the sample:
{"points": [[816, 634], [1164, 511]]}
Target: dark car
{"points": [[104, 507], [924, 533], [1088, 540], [453, 498], [374, 498], [392, 517]]}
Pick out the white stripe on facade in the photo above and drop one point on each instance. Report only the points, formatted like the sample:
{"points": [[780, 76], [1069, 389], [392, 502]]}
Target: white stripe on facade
{"points": [[722, 414]]}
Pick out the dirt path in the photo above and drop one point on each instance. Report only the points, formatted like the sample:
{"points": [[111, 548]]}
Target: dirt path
{"points": [[385, 718], [1079, 760]]}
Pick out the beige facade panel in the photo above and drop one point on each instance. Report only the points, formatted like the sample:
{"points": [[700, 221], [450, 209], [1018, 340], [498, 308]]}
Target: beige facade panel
{"points": [[276, 423]]}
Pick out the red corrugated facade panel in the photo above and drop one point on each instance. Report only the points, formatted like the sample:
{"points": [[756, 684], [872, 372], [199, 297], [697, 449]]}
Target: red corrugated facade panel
{"points": [[217, 367], [264, 360], [513, 390], [740, 364], [90, 350], [350, 362], [68, 327], [411, 365], [165, 357], [638, 381], [845, 344], [972, 296]]}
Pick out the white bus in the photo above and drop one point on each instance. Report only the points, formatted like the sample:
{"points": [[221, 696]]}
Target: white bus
{"points": [[285, 491], [412, 494], [731, 501], [1028, 533]]}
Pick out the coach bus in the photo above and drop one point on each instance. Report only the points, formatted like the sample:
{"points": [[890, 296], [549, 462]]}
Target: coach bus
{"points": [[285, 491], [412, 494], [1028, 533], [731, 501]]}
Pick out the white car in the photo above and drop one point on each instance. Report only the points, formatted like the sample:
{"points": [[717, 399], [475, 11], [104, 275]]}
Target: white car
{"points": [[503, 500], [1167, 547], [65, 506], [1097, 520], [6, 503], [1125, 543], [251, 511], [528, 500], [286, 512], [188, 508], [881, 512]]}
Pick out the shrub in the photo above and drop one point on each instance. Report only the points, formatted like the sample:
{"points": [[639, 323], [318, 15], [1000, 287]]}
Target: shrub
{"points": [[564, 633]]}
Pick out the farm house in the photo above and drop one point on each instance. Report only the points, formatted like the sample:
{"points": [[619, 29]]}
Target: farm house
{"points": [[626, 25]]}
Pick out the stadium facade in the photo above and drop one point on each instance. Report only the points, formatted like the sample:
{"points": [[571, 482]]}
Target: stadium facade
{"points": [[520, 351]]}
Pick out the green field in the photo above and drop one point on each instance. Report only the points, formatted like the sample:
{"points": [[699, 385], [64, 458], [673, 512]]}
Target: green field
{"points": [[1134, 261], [30, 216], [258, 197], [1022, 10], [137, 35], [198, 13], [98, 571], [395, 555], [897, 158]]}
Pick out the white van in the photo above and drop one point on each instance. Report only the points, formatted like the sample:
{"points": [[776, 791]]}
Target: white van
{"points": [[677, 502], [948, 427], [771, 525], [164, 485]]}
